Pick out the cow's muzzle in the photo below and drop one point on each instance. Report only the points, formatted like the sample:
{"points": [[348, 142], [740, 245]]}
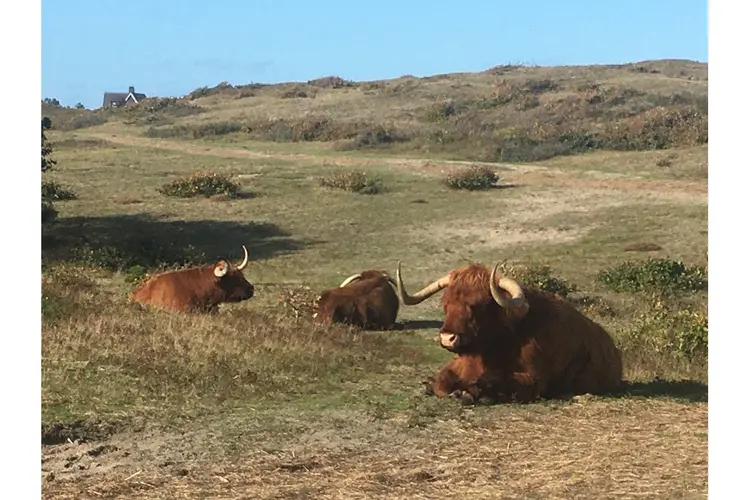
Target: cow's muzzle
{"points": [[452, 341]]}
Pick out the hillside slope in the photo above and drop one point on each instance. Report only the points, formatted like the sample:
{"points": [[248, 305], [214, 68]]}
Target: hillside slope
{"points": [[507, 113]]}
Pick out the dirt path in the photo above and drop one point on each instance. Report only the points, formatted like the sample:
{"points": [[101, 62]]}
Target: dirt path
{"points": [[694, 191]]}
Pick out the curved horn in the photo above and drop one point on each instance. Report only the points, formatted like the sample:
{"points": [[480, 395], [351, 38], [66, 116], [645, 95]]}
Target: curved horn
{"points": [[244, 262], [516, 294], [423, 294], [348, 280], [221, 269]]}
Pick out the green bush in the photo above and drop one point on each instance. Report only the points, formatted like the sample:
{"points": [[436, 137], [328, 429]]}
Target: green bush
{"points": [[206, 184], [474, 178], [354, 182], [52, 191], [538, 276], [542, 277], [674, 330], [135, 274], [654, 275]]}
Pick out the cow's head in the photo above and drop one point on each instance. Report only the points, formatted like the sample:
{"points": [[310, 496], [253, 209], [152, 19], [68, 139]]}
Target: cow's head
{"points": [[476, 304], [231, 282]]}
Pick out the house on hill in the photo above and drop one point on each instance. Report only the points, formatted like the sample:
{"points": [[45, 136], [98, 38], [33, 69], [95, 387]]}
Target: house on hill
{"points": [[120, 99]]}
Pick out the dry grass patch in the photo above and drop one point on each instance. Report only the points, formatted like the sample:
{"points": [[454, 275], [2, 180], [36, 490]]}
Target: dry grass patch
{"points": [[103, 355], [590, 448]]}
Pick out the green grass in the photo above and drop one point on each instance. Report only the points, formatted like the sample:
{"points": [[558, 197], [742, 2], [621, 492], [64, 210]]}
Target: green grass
{"points": [[254, 392]]}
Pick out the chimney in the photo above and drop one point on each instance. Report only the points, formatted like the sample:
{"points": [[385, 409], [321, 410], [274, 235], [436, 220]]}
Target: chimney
{"points": [[131, 90]]}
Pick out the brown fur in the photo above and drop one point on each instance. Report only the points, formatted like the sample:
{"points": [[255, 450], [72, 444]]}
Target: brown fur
{"points": [[195, 289], [545, 349], [369, 303]]}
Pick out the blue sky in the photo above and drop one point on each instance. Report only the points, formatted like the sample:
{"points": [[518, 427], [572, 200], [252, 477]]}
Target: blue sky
{"points": [[170, 47]]}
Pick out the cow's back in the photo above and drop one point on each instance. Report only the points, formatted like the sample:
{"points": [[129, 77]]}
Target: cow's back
{"points": [[166, 291], [577, 353]]}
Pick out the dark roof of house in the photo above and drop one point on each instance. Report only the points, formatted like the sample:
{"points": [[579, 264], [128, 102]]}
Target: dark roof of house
{"points": [[110, 97]]}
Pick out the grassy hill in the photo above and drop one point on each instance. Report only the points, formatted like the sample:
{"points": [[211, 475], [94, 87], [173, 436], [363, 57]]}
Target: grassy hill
{"points": [[602, 198], [507, 113]]}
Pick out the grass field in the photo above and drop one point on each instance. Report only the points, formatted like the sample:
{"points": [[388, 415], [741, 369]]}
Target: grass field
{"points": [[256, 403]]}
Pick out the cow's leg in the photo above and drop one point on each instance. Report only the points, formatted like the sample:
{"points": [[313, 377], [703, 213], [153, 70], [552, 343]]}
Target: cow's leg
{"points": [[524, 387], [445, 382]]}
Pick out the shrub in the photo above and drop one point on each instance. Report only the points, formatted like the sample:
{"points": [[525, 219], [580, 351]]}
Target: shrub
{"points": [[675, 330], [52, 191], [49, 213], [540, 86], [296, 92], [331, 82], [158, 111], [657, 128], [298, 302], [593, 304], [85, 120], [47, 162], [665, 161], [48, 210], [208, 91], [216, 128], [538, 276], [135, 274], [204, 184], [374, 137], [643, 247], [354, 182], [542, 277], [474, 178], [195, 131], [440, 111], [654, 275]]}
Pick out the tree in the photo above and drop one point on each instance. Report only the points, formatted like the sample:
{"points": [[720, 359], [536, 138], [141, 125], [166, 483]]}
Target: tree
{"points": [[48, 210], [80, 106], [47, 162], [51, 101]]}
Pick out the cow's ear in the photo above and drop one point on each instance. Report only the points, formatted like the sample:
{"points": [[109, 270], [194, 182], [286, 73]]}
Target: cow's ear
{"points": [[221, 269]]}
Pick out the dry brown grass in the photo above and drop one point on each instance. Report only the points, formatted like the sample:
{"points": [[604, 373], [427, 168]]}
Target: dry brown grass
{"points": [[257, 401], [586, 448], [512, 114]]}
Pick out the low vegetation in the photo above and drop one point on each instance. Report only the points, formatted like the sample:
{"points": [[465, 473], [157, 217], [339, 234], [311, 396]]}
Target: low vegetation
{"points": [[202, 184], [670, 329], [53, 191], [353, 181], [162, 404], [474, 178], [655, 276]]}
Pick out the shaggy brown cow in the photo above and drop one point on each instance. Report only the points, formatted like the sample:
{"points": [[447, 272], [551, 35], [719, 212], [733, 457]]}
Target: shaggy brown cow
{"points": [[514, 342], [196, 289], [364, 299]]}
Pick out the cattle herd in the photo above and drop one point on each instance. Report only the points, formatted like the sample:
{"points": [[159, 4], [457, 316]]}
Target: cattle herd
{"points": [[511, 342]]}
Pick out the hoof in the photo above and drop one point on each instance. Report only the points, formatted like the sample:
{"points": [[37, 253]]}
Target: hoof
{"points": [[427, 384], [463, 397]]}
